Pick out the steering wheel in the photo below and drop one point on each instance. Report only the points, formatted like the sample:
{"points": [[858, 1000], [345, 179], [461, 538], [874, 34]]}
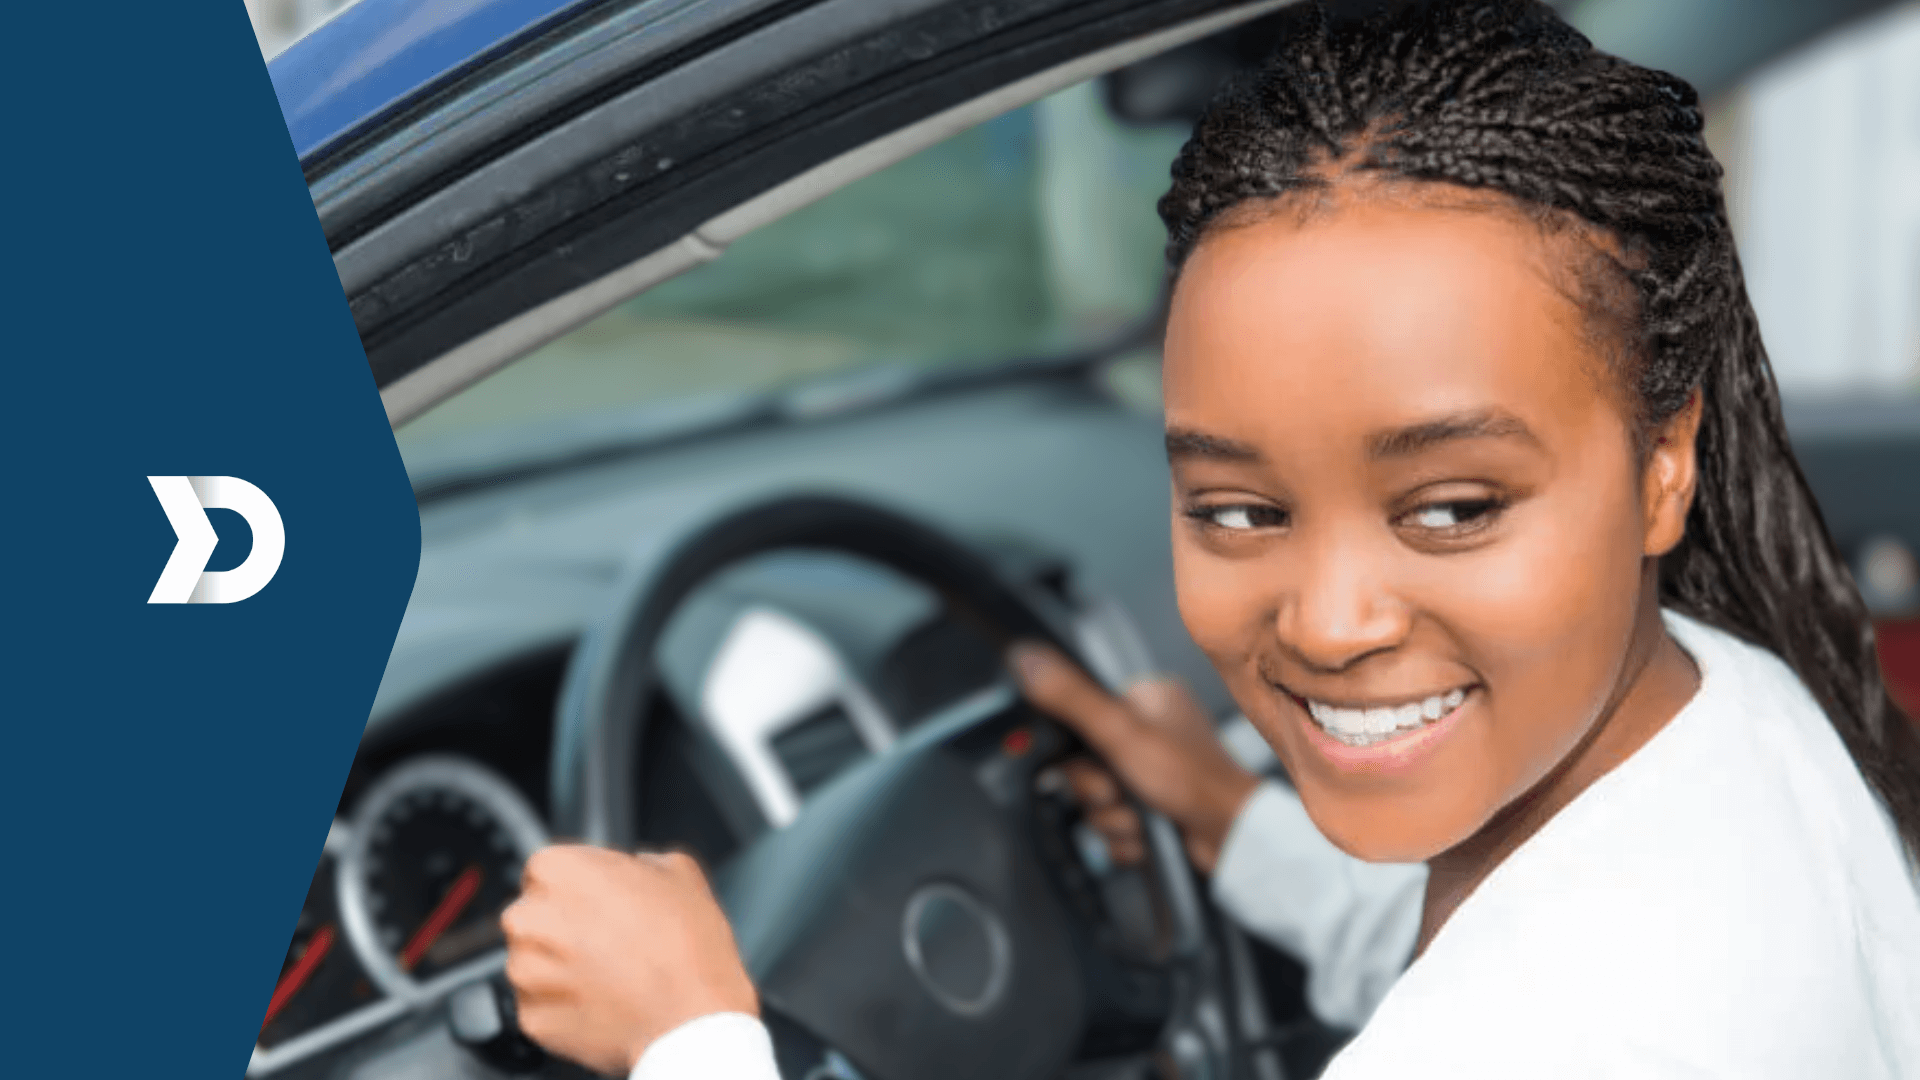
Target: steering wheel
{"points": [[924, 916]]}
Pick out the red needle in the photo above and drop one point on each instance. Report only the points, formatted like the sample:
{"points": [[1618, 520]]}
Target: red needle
{"points": [[459, 895], [303, 969]]}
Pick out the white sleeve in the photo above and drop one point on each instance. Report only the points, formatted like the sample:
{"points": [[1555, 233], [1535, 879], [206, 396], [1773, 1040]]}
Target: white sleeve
{"points": [[718, 1046], [1352, 923]]}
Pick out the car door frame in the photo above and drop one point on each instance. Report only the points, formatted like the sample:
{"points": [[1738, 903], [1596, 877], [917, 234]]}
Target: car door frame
{"points": [[453, 272]]}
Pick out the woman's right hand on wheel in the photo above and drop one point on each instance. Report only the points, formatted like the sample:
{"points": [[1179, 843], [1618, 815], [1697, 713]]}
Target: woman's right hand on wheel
{"points": [[609, 951], [1157, 741]]}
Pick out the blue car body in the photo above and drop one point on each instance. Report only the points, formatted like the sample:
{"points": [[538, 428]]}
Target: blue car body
{"points": [[379, 54]]}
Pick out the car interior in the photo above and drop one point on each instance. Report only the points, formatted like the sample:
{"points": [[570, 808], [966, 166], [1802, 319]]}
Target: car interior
{"points": [[762, 371]]}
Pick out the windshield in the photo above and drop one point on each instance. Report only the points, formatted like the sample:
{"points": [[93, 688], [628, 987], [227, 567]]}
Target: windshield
{"points": [[1032, 235]]}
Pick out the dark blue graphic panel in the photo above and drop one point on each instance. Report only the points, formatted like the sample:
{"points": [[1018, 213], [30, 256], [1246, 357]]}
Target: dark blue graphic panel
{"points": [[171, 769]]}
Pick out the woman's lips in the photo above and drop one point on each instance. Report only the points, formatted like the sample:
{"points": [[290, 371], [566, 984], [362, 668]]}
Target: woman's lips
{"points": [[1381, 738]]}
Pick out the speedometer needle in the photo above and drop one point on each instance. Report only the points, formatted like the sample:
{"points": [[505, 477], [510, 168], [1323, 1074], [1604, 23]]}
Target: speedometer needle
{"points": [[459, 895], [302, 970]]}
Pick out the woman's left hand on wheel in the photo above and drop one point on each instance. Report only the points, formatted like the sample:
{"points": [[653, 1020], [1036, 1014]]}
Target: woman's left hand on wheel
{"points": [[1157, 741]]}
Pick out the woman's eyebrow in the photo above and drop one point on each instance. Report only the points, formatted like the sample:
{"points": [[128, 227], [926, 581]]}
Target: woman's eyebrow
{"points": [[1182, 443], [1415, 438]]}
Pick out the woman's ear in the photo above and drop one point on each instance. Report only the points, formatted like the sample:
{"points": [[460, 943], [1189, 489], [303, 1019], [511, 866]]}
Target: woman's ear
{"points": [[1672, 468]]}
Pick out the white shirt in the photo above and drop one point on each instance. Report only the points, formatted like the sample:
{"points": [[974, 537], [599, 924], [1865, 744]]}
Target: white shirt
{"points": [[1730, 902], [1351, 923]]}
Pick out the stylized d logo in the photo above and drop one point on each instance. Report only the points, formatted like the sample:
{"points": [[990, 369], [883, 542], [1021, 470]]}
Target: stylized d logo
{"points": [[186, 579]]}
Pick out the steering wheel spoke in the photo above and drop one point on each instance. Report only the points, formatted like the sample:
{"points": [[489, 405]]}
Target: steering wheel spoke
{"points": [[904, 917]]}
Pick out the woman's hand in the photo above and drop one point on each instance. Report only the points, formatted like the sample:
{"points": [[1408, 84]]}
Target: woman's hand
{"points": [[1160, 742], [608, 951]]}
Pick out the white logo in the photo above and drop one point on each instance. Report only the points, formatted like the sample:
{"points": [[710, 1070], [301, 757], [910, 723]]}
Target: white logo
{"points": [[186, 579]]}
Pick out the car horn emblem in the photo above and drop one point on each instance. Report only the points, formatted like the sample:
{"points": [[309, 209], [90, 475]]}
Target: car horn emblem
{"points": [[958, 947]]}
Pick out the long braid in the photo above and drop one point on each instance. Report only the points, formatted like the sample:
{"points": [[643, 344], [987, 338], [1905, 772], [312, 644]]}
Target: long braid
{"points": [[1502, 95]]}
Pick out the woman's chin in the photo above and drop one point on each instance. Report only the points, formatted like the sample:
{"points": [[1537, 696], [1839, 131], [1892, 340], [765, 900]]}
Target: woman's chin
{"points": [[1389, 829]]}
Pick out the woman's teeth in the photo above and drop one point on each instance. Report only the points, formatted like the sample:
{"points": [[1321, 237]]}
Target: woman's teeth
{"points": [[1364, 727]]}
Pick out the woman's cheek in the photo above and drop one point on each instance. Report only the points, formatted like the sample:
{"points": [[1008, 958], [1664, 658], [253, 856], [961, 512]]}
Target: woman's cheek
{"points": [[1546, 617], [1228, 605], [1557, 561], [1220, 600]]}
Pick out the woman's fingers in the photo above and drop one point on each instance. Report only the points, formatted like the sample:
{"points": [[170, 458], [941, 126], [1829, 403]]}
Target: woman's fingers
{"points": [[1092, 786], [1158, 740], [1169, 705], [1104, 808], [1057, 687], [1148, 758], [1125, 852], [1116, 824], [1062, 690]]}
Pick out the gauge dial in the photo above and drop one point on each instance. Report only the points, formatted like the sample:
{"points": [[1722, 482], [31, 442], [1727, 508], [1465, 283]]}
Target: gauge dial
{"points": [[435, 856], [320, 980]]}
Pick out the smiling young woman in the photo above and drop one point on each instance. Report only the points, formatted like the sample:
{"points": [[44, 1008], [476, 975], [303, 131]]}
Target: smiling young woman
{"points": [[1410, 532], [1483, 507]]}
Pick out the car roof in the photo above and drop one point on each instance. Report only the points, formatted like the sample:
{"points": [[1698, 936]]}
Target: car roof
{"points": [[377, 56], [378, 53]]}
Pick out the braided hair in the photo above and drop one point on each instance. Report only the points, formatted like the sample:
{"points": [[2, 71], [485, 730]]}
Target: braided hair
{"points": [[1503, 97]]}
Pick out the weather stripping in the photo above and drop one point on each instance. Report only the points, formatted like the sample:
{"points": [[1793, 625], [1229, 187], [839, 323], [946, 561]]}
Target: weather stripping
{"points": [[459, 367]]}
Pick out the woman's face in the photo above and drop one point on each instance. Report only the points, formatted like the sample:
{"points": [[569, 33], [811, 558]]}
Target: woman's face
{"points": [[1409, 525]]}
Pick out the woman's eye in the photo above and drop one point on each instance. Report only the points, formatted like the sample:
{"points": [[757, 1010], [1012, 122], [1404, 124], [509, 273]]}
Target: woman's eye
{"points": [[1447, 516], [1233, 517], [1239, 518]]}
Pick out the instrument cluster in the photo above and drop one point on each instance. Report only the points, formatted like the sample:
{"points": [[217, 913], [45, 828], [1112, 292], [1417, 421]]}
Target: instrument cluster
{"points": [[404, 907]]}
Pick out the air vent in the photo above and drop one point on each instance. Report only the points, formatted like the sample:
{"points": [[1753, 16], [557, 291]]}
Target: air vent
{"points": [[816, 749]]}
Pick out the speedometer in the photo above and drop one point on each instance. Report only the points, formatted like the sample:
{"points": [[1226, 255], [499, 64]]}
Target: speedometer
{"points": [[320, 980], [434, 857]]}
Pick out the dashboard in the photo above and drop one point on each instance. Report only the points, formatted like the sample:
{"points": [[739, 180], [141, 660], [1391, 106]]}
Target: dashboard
{"points": [[404, 907], [777, 675]]}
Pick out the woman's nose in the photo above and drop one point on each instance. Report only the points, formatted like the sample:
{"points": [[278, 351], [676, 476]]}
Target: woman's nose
{"points": [[1340, 607]]}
